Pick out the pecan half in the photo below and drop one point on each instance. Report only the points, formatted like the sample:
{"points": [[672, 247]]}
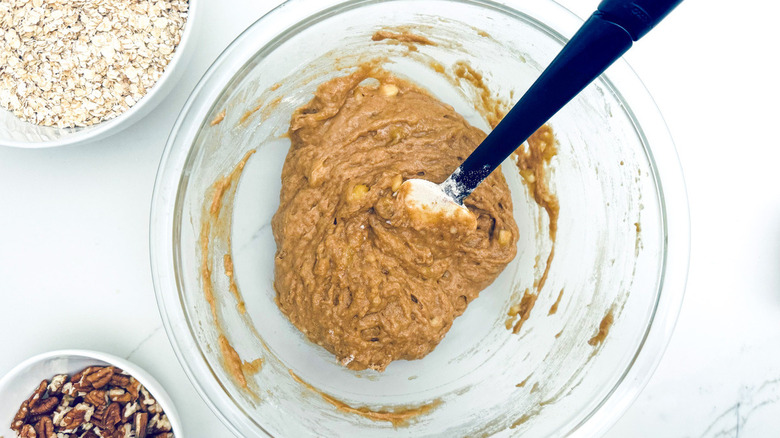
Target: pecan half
{"points": [[73, 419], [27, 432], [120, 380], [99, 415], [101, 377], [97, 398], [34, 399], [20, 416], [44, 428], [85, 372], [45, 406], [108, 418]]}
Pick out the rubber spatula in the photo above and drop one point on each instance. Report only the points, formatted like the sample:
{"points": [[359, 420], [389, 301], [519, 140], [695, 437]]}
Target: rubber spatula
{"points": [[601, 40]]}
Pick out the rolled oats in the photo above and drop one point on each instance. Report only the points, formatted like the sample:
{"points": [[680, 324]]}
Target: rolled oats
{"points": [[80, 62]]}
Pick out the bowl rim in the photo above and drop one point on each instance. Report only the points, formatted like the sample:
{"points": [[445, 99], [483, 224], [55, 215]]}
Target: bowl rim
{"points": [[147, 380], [653, 130], [148, 101]]}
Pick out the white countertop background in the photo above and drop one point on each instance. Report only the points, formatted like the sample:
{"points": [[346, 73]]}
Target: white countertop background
{"points": [[74, 255]]}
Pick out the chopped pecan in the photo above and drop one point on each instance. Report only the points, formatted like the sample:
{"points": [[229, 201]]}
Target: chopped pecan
{"points": [[140, 422], [27, 431], [124, 430], [69, 389], [59, 415], [90, 434], [130, 409], [161, 435], [159, 423], [155, 409], [146, 399], [55, 386], [97, 397], [44, 428], [45, 406], [88, 409], [133, 387], [119, 395], [66, 401]]}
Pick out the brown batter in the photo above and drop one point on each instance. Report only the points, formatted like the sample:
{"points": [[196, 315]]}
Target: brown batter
{"points": [[397, 416], [216, 220], [533, 161], [403, 37], [353, 271], [604, 326]]}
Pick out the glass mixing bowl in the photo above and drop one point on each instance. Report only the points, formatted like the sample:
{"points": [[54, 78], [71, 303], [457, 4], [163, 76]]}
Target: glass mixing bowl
{"points": [[621, 249]]}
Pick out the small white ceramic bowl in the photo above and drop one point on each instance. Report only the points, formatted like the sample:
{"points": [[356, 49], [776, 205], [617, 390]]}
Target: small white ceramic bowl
{"points": [[18, 133], [20, 382]]}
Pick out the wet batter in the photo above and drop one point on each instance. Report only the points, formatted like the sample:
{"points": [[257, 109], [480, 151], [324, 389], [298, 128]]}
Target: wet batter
{"points": [[354, 270]]}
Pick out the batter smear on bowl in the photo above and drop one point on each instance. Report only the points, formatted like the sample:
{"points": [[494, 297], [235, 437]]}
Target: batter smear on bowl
{"points": [[355, 270]]}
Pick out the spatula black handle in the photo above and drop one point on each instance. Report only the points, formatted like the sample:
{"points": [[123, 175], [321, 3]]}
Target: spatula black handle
{"points": [[601, 40]]}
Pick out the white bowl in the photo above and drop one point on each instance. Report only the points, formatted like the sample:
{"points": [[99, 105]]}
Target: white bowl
{"points": [[18, 133], [20, 382]]}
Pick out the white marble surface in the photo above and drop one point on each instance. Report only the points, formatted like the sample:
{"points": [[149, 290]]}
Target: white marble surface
{"points": [[74, 263]]}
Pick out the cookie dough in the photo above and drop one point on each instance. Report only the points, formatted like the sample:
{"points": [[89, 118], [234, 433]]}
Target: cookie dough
{"points": [[354, 270]]}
